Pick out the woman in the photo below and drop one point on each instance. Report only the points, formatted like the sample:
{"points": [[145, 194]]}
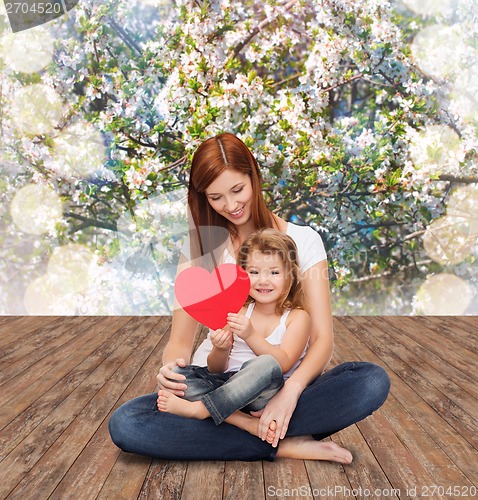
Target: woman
{"points": [[225, 191]]}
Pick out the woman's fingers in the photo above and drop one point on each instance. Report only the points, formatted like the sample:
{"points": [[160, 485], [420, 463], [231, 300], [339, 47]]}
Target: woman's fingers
{"points": [[171, 386], [264, 423], [282, 422], [280, 431], [170, 380], [168, 373]]}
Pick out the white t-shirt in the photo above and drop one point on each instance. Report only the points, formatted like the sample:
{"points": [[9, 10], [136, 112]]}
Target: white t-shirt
{"points": [[311, 251], [309, 245]]}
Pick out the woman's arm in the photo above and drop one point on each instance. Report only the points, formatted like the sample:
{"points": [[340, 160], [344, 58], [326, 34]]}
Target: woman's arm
{"points": [[315, 283], [181, 339], [178, 350]]}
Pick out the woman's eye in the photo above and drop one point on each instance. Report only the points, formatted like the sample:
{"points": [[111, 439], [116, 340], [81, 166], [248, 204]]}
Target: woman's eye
{"points": [[239, 190], [214, 199]]}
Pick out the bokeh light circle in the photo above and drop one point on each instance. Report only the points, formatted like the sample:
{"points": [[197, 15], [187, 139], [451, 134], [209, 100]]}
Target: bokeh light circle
{"points": [[464, 95], [437, 50], [436, 146], [78, 151], [443, 295], [463, 203], [36, 208], [69, 268], [28, 51], [42, 298], [431, 7], [448, 240], [37, 109]]}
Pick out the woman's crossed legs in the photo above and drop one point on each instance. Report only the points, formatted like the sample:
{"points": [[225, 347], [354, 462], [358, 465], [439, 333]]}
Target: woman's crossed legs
{"points": [[339, 398]]}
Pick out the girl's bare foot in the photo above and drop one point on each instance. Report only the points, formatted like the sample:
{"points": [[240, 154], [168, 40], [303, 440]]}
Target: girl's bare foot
{"points": [[271, 432], [307, 448], [251, 425], [170, 403]]}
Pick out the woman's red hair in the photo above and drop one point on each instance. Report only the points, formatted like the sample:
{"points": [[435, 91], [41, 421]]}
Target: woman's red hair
{"points": [[210, 160]]}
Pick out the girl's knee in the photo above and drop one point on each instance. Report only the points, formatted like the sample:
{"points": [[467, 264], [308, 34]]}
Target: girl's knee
{"points": [[268, 364], [183, 371]]}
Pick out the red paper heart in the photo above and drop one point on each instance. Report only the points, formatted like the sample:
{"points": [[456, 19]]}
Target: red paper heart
{"points": [[208, 297]]}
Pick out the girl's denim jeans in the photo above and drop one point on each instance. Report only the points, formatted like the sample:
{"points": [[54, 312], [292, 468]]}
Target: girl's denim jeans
{"points": [[338, 398], [258, 380]]}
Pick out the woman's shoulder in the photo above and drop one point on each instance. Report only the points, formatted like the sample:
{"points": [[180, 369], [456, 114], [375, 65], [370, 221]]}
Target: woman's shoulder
{"points": [[302, 233], [309, 244]]}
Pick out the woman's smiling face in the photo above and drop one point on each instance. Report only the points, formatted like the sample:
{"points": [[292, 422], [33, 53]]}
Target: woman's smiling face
{"points": [[230, 195]]}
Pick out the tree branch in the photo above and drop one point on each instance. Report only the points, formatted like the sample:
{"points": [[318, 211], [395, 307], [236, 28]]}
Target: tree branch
{"points": [[259, 28], [87, 222], [177, 163], [355, 77], [125, 36], [389, 273], [461, 180]]}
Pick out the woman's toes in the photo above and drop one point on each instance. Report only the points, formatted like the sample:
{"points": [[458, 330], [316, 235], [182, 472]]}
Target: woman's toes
{"points": [[346, 457]]}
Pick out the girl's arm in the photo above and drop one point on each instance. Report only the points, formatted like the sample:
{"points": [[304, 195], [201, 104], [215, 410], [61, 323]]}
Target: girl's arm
{"points": [[293, 342], [315, 284]]}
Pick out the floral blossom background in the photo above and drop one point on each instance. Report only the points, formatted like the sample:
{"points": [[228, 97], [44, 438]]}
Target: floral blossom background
{"points": [[363, 116]]}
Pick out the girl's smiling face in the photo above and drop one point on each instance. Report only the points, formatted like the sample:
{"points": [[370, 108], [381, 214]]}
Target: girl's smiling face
{"points": [[267, 275], [230, 195]]}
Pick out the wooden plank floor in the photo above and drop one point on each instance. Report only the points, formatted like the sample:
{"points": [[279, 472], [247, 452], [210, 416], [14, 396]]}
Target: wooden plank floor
{"points": [[62, 377]]}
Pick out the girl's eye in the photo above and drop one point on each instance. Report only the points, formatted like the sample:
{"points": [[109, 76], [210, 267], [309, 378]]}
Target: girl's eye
{"points": [[252, 272], [275, 272]]}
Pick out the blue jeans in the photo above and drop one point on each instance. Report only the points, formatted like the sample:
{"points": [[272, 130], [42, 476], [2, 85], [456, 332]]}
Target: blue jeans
{"points": [[338, 398], [251, 388]]}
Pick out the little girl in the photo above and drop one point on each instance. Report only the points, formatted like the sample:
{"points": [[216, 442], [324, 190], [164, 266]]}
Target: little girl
{"points": [[247, 359]]}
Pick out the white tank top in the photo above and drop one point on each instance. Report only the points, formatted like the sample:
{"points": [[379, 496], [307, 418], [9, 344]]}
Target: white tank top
{"points": [[241, 352]]}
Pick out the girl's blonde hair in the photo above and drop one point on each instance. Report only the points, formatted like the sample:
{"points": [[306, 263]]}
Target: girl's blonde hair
{"points": [[271, 241]]}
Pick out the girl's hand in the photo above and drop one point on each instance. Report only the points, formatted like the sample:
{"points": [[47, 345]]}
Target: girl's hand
{"points": [[240, 325], [222, 339], [169, 380], [280, 408]]}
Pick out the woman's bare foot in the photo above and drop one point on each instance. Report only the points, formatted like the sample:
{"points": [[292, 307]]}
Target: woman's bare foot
{"points": [[307, 448], [170, 403]]}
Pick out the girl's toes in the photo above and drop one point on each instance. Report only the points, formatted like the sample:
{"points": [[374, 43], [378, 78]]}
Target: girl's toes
{"points": [[271, 432]]}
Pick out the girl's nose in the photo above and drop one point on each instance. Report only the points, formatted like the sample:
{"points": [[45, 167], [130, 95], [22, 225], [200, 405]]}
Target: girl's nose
{"points": [[264, 277]]}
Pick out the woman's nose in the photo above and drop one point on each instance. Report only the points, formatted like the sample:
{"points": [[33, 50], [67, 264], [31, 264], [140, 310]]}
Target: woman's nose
{"points": [[230, 206]]}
